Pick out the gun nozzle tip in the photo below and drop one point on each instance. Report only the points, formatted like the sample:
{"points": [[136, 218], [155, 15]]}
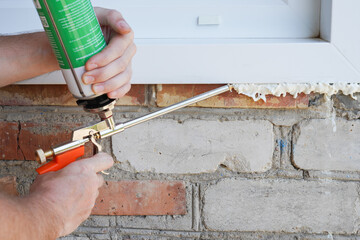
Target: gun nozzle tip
{"points": [[40, 156]]}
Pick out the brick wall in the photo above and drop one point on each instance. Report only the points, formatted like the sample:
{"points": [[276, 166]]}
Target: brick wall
{"points": [[226, 168]]}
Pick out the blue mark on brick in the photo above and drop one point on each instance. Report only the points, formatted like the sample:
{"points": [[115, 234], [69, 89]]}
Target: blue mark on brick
{"points": [[282, 144]]}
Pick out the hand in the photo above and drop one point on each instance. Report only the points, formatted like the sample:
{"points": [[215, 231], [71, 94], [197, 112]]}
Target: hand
{"points": [[110, 70], [68, 195]]}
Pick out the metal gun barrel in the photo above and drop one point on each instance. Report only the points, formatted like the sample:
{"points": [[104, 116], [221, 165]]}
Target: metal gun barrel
{"points": [[122, 126]]}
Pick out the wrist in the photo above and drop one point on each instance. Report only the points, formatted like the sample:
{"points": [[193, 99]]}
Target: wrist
{"points": [[41, 213]]}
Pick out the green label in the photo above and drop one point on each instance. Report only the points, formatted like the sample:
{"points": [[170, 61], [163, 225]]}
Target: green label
{"points": [[76, 25]]}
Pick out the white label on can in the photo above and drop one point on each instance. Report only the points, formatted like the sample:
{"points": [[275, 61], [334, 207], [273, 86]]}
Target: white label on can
{"points": [[44, 21], [37, 4]]}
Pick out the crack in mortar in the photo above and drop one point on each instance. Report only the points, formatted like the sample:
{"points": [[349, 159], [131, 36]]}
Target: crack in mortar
{"points": [[306, 175], [278, 150], [295, 134], [357, 211], [18, 141]]}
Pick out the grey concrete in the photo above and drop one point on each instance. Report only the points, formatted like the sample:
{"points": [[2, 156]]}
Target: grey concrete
{"points": [[328, 144], [195, 146], [346, 102], [156, 222], [335, 175], [74, 238], [100, 236], [97, 221], [282, 206], [143, 234], [25, 172]]}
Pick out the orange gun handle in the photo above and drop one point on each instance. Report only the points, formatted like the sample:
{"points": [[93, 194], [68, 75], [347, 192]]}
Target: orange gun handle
{"points": [[62, 160]]}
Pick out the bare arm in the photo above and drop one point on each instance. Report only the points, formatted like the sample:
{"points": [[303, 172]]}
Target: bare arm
{"points": [[25, 56], [25, 219], [29, 55], [58, 202]]}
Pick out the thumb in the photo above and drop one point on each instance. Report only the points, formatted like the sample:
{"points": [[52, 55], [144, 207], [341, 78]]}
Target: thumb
{"points": [[98, 162]]}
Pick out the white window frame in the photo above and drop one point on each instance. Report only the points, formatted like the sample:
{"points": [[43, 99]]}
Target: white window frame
{"points": [[334, 57]]}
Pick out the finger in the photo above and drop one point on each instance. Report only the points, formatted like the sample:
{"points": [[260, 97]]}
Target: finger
{"points": [[115, 49], [98, 162], [120, 92], [114, 68], [100, 180], [113, 83], [112, 18]]}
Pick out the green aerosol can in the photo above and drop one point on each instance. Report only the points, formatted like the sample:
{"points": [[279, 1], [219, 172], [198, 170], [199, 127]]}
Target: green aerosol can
{"points": [[75, 35]]}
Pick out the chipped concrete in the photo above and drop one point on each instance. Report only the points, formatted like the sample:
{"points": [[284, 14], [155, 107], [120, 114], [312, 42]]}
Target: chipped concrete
{"points": [[167, 146], [347, 107], [322, 145]]}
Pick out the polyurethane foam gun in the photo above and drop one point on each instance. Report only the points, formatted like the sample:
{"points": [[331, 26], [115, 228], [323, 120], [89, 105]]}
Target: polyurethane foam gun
{"points": [[75, 36], [64, 154]]}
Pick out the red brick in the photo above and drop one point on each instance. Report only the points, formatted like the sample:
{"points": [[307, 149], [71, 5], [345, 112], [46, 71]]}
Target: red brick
{"points": [[172, 93], [8, 185], [136, 96], [45, 135], [9, 141], [141, 198], [20, 143], [57, 95]]}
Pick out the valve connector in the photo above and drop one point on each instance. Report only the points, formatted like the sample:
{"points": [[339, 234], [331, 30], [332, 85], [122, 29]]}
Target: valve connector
{"points": [[101, 105]]}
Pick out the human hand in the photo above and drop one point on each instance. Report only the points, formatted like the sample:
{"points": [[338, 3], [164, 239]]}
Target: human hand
{"points": [[68, 195], [110, 70]]}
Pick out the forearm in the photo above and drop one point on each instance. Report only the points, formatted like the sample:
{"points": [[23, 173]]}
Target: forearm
{"points": [[25, 56], [24, 218]]}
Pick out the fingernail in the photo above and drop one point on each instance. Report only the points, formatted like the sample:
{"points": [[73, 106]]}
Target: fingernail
{"points": [[123, 24], [92, 66], [98, 88], [112, 94], [88, 79]]}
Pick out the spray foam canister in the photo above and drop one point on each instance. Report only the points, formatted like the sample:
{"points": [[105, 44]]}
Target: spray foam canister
{"points": [[75, 35]]}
